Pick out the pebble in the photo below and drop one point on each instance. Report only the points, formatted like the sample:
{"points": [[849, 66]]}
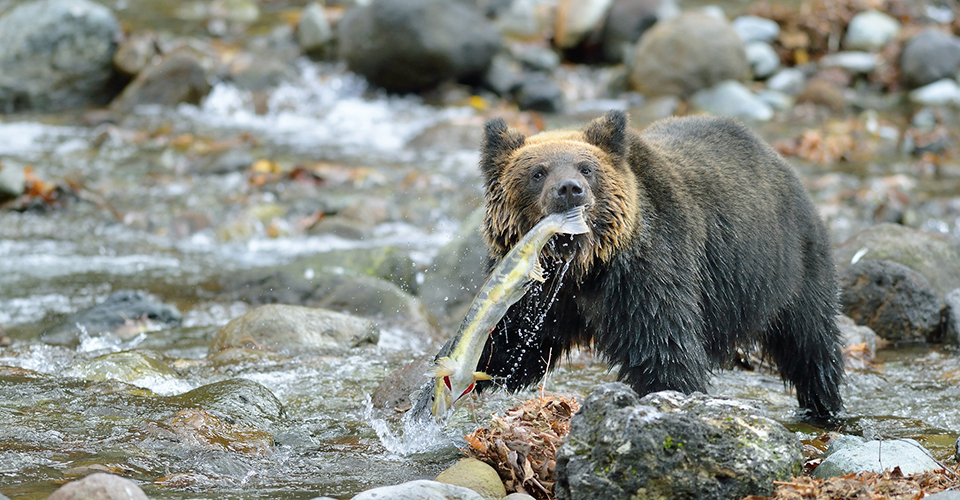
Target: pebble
{"points": [[777, 100], [788, 80], [762, 58], [314, 33], [940, 93], [870, 30], [756, 29], [852, 61], [12, 180], [732, 98]]}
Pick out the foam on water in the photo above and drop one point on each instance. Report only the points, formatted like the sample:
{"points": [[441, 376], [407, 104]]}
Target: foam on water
{"points": [[413, 437]]}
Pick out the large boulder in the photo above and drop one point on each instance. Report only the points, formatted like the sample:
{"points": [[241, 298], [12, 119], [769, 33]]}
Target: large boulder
{"points": [[56, 54], [627, 21], [668, 445], [930, 56], [414, 45], [688, 53]]}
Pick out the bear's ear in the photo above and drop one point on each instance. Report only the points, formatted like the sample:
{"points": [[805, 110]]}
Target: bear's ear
{"points": [[609, 133], [498, 142]]}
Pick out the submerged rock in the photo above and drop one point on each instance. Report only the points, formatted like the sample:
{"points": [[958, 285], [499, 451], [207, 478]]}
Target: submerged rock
{"points": [[126, 313], [420, 490], [287, 328], [235, 401], [198, 428], [133, 367], [669, 445], [99, 486], [686, 54], [414, 45], [476, 475], [56, 54], [395, 389], [853, 455], [897, 302]]}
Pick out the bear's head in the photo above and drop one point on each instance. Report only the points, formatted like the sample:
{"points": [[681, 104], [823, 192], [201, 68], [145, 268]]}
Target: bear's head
{"points": [[528, 178]]}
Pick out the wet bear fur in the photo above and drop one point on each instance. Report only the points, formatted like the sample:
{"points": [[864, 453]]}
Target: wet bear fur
{"points": [[703, 241]]}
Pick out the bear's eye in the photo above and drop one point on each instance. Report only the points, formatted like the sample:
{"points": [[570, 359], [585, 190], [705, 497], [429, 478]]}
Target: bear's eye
{"points": [[538, 175], [585, 169]]}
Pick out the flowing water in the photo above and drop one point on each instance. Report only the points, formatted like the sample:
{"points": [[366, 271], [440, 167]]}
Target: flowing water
{"points": [[149, 217]]}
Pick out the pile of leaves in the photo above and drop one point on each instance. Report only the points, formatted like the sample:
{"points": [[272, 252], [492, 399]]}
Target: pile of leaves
{"points": [[891, 485], [522, 444]]}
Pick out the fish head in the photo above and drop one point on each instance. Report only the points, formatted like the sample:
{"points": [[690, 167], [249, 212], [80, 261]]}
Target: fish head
{"points": [[450, 389]]}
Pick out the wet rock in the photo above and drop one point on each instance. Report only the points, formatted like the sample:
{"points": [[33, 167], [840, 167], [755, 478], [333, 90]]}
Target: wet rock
{"points": [[852, 334], [235, 401], [383, 302], [260, 71], [518, 496], [198, 428], [576, 19], [457, 273], [895, 301], [314, 33], [853, 455], [56, 54], [945, 92], [951, 318], [936, 256], [627, 21], [762, 58], [12, 181], [179, 77], [851, 61], [414, 45], [930, 56], [134, 367], [287, 328], [476, 475], [231, 160], [870, 30], [756, 29], [99, 486], [731, 98], [670, 445], [126, 313], [539, 92], [419, 490], [686, 54], [788, 80], [136, 52], [395, 389]]}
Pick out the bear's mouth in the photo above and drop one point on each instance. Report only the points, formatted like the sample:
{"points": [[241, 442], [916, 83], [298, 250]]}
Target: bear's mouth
{"points": [[568, 246]]}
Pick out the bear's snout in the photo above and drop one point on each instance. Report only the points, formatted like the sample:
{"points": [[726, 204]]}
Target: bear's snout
{"points": [[569, 193]]}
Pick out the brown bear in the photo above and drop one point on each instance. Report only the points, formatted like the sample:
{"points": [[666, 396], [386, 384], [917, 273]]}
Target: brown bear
{"points": [[703, 241]]}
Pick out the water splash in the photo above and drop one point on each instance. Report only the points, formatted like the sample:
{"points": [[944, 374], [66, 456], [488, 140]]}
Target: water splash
{"points": [[414, 436]]}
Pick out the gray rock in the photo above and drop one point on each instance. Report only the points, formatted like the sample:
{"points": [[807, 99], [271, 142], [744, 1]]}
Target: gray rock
{"points": [[897, 302], [934, 255], [419, 490], [779, 101], [99, 486], [395, 389], [669, 445], [504, 74], [930, 56], [851, 61], [314, 33], [762, 58], [56, 54], [870, 30], [731, 98], [457, 273], [945, 92], [756, 29], [876, 456], [237, 401], [951, 318], [539, 92], [944, 495], [12, 180], [135, 52], [231, 160], [535, 56], [686, 54], [512, 496], [852, 334], [627, 21], [179, 77], [289, 328], [578, 19], [125, 313], [413, 45], [788, 80], [126, 366]]}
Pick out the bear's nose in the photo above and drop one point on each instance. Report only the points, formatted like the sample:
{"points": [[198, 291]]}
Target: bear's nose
{"points": [[570, 193]]}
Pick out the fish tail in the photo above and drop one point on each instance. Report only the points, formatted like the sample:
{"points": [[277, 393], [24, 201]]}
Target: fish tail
{"points": [[574, 221]]}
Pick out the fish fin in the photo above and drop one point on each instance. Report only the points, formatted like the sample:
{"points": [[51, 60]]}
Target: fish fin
{"points": [[481, 376], [575, 221], [444, 367], [537, 272]]}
